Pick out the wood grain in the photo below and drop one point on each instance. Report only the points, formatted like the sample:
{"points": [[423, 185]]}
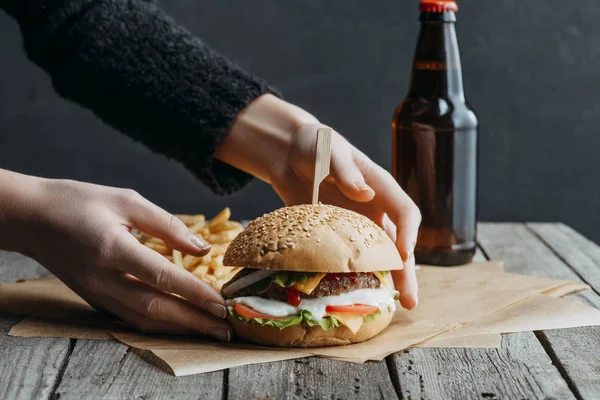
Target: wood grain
{"points": [[520, 369], [111, 370], [311, 378], [14, 266], [581, 254], [573, 351], [29, 367]]}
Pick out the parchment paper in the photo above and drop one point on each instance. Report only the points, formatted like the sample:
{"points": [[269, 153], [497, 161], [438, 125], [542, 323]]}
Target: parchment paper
{"points": [[474, 299]]}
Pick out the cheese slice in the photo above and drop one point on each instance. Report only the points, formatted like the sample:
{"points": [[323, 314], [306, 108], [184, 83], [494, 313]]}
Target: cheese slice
{"points": [[349, 320], [308, 286], [381, 278]]}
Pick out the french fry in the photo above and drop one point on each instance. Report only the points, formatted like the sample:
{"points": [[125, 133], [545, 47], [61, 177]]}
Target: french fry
{"points": [[223, 216], [225, 226], [217, 250], [219, 232], [200, 271], [197, 226], [204, 260], [159, 248], [204, 232], [156, 241], [189, 262], [218, 284], [217, 265], [177, 258], [190, 220], [223, 237]]}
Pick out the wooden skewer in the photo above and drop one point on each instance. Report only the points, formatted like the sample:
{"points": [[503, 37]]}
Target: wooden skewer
{"points": [[322, 161]]}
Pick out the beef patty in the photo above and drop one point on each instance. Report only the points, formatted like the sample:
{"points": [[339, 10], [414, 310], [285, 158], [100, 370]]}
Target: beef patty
{"points": [[330, 285]]}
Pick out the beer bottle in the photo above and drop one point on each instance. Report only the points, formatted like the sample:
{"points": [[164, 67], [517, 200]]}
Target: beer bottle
{"points": [[435, 142]]}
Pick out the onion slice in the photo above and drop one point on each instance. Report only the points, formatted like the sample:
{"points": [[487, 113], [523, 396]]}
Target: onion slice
{"points": [[247, 281]]}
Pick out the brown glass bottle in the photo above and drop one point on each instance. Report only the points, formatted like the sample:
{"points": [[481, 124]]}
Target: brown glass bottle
{"points": [[435, 143]]}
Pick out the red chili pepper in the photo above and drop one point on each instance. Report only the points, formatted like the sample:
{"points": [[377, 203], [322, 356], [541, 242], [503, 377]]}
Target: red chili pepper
{"points": [[293, 297]]}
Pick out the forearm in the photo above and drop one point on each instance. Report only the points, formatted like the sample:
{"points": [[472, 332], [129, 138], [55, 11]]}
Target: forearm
{"points": [[17, 194], [144, 75], [261, 135]]}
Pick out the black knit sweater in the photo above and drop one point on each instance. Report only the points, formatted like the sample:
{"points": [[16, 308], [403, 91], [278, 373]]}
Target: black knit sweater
{"points": [[143, 74]]}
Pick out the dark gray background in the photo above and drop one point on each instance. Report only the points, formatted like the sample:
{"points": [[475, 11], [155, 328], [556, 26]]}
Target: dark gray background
{"points": [[532, 72]]}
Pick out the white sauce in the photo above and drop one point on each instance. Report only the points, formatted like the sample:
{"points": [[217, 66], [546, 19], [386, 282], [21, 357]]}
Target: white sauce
{"points": [[381, 298]]}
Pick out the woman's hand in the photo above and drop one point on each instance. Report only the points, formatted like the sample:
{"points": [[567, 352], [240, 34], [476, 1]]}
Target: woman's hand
{"points": [[276, 142], [356, 183], [81, 233]]}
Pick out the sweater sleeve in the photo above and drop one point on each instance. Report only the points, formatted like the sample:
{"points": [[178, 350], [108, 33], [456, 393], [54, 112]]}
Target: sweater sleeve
{"points": [[142, 74]]}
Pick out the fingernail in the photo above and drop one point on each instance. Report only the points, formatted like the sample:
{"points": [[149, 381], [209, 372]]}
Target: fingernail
{"points": [[200, 243], [216, 309], [220, 333], [361, 186]]}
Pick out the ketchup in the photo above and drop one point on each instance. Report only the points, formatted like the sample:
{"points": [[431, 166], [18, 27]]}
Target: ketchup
{"points": [[293, 297]]}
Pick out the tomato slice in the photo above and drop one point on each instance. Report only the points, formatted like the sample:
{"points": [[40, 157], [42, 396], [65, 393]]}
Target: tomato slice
{"points": [[249, 312], [360, 309]]}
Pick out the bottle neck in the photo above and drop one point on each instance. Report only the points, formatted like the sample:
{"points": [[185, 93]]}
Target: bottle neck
{"points": [[436, 68]]}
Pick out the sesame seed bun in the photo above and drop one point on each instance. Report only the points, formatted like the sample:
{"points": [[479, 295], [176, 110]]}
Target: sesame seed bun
{"points": [[314, 238], [304, 335]]}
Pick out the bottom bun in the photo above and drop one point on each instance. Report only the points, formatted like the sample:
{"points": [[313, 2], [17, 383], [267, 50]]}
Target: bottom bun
{"points": [[304, 335]]}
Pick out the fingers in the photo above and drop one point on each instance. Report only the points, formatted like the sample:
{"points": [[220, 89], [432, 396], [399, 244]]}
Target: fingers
{"points": [[398, 206], [158, 272], [348, 177], [389, 227], [135, 319], [405, 281], [153, 220], [145, 304]]}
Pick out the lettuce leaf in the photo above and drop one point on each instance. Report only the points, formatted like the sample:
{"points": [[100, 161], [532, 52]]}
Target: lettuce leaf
{"points": [[325, 323], [371, 317], [284, 279]]}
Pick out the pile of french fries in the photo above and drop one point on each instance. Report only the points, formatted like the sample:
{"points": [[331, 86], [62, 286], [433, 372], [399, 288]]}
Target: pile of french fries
{"points": [[219, 232]]}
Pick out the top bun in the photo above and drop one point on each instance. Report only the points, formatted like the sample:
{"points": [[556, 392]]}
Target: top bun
{"points": [[314, 238]]}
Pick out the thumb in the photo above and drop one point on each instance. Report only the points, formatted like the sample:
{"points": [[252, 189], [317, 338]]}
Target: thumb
{"points": [[348, 177]]}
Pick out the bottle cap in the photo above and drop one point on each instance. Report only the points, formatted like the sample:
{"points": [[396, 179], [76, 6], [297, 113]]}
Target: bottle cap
{"points": [[438, 6]]}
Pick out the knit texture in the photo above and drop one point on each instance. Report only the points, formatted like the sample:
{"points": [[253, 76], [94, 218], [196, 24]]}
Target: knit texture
{"points": [[143, 74]]}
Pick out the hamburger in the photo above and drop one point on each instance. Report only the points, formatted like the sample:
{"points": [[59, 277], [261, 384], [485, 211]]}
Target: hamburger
{"points": [[314, 275]]}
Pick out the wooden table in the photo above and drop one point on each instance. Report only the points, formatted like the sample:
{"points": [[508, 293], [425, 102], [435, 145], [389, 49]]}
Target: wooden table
{"points": [[562, 364]]}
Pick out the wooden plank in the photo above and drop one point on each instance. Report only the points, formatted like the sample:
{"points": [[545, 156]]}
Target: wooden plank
{"points": [[14, 266], [573, 351], [311, 378], [108, 369], [520, 369], [581, 254], [29, 367]]}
